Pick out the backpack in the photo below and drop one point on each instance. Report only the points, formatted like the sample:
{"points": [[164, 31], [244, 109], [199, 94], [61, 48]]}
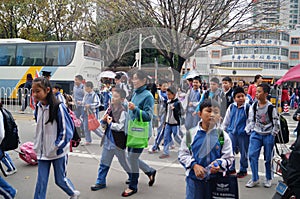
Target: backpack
{"points": [[11, 138], [283, 136], [188, 138]]}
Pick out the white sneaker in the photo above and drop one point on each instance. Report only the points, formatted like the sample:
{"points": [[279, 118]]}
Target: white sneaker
{"points": [[252, 183], [11, 172], [268, 183], [76, 195]]}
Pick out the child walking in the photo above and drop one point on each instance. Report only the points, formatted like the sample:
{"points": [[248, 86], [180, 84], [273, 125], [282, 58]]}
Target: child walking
{"points": [[174, 110], [54, 131], [204, 149], [262, 130], [234, 124], [90, 101], [114, 139]]}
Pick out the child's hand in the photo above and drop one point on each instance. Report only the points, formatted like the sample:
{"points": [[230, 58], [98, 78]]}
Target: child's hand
{"points": [[104, 118], [190, 103], [109, 119], [215, 167], [87, 106], [131, 106], [199, 171]]}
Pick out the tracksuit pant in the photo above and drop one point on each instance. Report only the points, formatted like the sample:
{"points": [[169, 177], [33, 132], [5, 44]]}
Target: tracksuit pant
{"points": [[242, 143], [6, 190], [60, 174], [256, 142], [169, 130]]}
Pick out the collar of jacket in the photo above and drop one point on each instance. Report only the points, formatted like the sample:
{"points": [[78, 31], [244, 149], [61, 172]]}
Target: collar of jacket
{"points": [[141, 89]]}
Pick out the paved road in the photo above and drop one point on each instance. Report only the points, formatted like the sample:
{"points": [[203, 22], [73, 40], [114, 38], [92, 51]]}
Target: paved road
{"points": [[83, 165]]}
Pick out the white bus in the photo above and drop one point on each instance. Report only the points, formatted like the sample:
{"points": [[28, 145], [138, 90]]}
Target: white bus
{"points": [[64, 59]]}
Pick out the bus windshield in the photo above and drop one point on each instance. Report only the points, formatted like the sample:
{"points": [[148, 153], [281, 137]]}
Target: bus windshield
{"points": [[37, 54]]}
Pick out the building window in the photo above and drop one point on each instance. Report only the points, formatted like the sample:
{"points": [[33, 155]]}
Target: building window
{"points": [[294, 55], [295, 41], [215, 54]]}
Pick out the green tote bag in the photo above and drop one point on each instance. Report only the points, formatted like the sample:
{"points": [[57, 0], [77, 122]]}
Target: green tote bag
{"points": [[137, 136]]}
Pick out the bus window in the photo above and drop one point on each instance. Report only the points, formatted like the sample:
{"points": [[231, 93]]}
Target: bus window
{"points": [[91, 51], [3, 56], [58, 54], [27, 54]]}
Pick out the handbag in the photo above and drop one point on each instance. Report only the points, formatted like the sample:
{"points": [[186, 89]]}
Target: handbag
{"points": [[93, 123], [137, 136], [224, 187]]}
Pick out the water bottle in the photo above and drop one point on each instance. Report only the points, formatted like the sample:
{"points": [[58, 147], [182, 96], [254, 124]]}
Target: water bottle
{"points": [[208, 168]]}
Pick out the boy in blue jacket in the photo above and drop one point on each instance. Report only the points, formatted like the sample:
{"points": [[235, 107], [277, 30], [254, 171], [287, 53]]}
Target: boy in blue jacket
{"points": [[204, 149], [234, 124]]}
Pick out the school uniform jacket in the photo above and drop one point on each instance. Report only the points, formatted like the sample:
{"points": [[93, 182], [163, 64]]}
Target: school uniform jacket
{"points": [[52, 140], [204, 149]]}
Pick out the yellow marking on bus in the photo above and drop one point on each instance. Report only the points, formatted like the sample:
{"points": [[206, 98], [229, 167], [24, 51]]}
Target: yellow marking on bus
{"points": [[32, 70]]}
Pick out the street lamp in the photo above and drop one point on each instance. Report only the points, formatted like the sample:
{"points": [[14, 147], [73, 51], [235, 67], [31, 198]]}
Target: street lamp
{"points": [[141, 40]]}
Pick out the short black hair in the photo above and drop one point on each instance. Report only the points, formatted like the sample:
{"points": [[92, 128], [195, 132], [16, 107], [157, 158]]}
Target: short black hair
{"points": [[121, 92], [57, 86], [209, 103], [215, 79], [228, 79], [161, 82], [172, 90], [266, 88], [118, 76], [89, 84], [46, 73], [238, 90], [79, 77], [197, 78]]}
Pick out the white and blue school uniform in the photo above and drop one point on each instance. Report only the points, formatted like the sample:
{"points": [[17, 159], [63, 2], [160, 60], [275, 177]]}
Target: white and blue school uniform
{"points": [[234, 124], [172, 124], [52, 144], [114, 144], [262, 130], [93, 100], [60, 97], [6, 190], [190, 119], [204, 149], [162, 117]]}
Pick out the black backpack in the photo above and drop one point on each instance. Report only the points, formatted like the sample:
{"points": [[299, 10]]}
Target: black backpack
{"points": [[283, 136], [11, 138]]}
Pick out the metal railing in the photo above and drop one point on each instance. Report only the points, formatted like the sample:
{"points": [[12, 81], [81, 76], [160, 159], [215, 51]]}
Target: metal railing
{"points": [[19, 104]]}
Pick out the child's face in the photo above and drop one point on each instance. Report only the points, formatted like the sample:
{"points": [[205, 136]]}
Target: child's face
{"points": [[55, 90], [164, 87], [116, 98], [213, 86], [246, 89], [240, 98], [88, 89], [40, 93], [210, 115], [226, 85], [170, 95], [260, 94], [196, 84]]}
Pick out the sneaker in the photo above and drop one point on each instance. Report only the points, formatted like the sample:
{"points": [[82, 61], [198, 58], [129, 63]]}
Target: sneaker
{"points": [[97, 187], [76, 195], [163, 156], [11, 172], [241, 174], [268, 183], [252, 183], [151, 151]]}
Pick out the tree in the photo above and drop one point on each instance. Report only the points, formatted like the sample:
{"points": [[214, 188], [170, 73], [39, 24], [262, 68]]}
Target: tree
{"points": [[187, 24]]}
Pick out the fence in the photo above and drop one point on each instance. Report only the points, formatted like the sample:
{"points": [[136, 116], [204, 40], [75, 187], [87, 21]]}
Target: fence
{"points": [[18, 104]]}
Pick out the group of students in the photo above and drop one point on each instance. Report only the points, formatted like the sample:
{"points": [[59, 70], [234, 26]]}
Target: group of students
{"points": [[241, 115], [245, 128]]}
